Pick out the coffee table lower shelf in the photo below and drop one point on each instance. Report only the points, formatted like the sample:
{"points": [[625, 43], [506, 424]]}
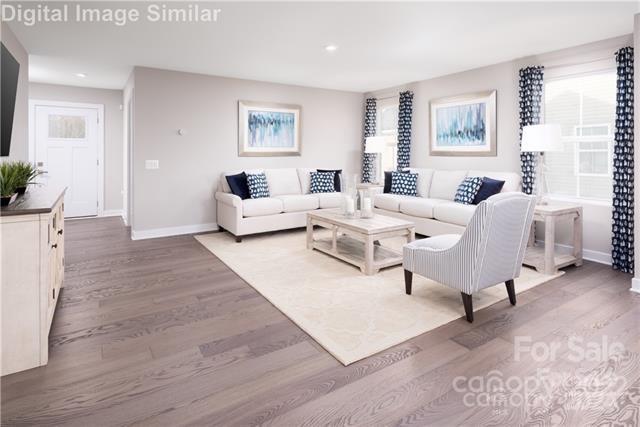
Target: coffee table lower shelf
{"points": [[352, 251]]}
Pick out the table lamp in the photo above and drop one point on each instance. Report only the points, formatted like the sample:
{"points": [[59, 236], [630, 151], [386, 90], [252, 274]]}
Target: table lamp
{"points": [[541, 139], [378, 145]]}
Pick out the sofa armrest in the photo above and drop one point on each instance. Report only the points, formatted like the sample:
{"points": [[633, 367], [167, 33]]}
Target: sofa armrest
{"points": [[229, 199]]}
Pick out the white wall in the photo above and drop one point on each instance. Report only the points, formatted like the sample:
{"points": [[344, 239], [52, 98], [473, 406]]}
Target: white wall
{"points": [[179, 195], [504, 78], [113, 146], [20, 133]]}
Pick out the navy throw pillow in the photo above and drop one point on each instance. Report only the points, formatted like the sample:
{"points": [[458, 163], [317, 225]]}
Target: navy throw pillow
{"points": [[321, 182], [336, 178], [404, 183], [488, 188], [258, 186], [467, 190], [387, 181], [238, 185]]}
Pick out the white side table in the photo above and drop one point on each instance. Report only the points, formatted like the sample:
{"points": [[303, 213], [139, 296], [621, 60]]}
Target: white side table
{"points": [[543, 258]]}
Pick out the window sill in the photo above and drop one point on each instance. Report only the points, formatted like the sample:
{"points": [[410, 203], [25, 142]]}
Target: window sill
{"points": [[578, 200]]}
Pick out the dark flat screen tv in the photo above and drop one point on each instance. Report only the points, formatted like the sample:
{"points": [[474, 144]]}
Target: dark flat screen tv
{"points": [[9, 70]]}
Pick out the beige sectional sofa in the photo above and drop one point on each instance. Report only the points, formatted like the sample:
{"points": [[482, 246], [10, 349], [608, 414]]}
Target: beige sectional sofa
{"points": [[287, 206], [434, 212]]}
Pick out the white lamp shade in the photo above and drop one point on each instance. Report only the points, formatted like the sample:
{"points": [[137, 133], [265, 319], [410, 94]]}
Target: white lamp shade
{"points": [[541, 138], [378, 144]]}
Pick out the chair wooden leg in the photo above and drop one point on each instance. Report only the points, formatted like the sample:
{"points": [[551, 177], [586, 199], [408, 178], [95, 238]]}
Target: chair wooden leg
{"points": [[408, 279], [511, 290], [468, 306]]}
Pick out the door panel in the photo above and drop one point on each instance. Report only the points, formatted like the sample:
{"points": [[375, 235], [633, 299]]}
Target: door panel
{"points": [[67, 149]]}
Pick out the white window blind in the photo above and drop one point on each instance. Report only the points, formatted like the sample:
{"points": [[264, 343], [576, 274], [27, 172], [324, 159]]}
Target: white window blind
{"points": [[387, 124], [584, 106]]}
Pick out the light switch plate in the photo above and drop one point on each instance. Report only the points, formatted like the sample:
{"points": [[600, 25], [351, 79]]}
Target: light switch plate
{"points": [[152, 164]]}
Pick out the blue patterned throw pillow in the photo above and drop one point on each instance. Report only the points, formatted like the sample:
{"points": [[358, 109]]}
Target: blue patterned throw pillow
{"points": [[404, 183], [467, 190], [258, 187], [322, 182]]}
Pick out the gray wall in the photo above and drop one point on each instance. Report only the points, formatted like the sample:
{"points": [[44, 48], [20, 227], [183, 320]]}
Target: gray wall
{"points": [[180, 193], [504, 78], [113, 130], [20, 134]]}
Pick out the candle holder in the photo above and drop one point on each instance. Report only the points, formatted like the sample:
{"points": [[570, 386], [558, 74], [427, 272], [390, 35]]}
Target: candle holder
{"points": [[349, 196], [366, 204]]}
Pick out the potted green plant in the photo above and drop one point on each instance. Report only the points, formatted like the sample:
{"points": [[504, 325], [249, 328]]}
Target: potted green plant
{"points": [[8, 185], [25, 173]]}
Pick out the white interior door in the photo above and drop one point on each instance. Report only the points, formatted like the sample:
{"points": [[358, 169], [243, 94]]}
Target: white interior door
{"points": [[66, 147]]}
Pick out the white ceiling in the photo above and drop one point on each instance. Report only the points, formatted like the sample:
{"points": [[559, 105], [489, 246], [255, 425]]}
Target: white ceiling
{"points": [[380, 44]]}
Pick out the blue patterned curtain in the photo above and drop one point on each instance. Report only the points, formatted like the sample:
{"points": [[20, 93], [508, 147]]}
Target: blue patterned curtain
{"points": [[622, 228], [405, 111], [368, 160], [531, 84]]}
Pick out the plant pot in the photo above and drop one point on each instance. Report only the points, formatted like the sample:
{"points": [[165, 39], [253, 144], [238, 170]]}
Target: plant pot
{"points": [[21, 190], [7, 200]]}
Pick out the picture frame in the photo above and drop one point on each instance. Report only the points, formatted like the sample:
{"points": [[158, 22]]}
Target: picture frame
{"points": [[464, 125], [267, 129]]}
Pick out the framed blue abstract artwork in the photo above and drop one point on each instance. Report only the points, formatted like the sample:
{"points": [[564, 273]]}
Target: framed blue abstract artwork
{"points": [[464, 125], [268, 129]]}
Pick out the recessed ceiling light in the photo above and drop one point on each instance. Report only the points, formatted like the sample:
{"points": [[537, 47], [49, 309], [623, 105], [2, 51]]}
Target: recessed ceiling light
{"points": [[81, 75], [331, 48]]}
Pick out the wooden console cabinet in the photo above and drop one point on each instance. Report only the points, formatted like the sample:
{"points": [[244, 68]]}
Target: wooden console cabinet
{"points": [[32, 243]]}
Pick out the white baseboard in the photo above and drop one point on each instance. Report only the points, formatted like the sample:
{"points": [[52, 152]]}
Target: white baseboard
{"points": [[172, 231], [635, 285], [113, 212], [588, 254]]}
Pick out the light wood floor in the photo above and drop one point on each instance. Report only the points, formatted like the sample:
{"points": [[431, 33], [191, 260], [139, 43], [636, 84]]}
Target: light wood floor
{"points": [[160, 332]]}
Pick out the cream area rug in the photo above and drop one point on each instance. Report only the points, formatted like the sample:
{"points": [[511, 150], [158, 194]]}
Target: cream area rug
{"points": [[349, 314]]}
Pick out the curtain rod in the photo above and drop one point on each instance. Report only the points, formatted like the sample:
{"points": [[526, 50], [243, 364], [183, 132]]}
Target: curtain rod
{"points": [[574, 64]]}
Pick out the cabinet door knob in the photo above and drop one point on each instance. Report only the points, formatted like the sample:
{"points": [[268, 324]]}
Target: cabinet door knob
{"points": [[60, 232], [55, 245]]}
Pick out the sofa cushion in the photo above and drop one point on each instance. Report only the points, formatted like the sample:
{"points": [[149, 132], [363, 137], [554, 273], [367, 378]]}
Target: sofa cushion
{"points": [[337, 185], [283, 181], [261, 207], [512, 180], [298, 202], [468, 189], [389, 202], [322, 182], [387, 180], [258, 186], [417, 206], [424, 180], [238, 185], [445, 183], [329, 200], [404, 183], [490, 187], [454, 213], [224, 185]]}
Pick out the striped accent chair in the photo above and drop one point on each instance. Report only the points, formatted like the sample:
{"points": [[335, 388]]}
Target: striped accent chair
{"points": [[490, 250]]}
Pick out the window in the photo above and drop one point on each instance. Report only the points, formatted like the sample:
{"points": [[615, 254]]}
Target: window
{"points": [[73, 127], [585, 107], [387, 124]]}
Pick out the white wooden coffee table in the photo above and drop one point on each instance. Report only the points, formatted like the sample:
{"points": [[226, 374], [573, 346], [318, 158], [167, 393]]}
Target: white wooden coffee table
{"points": [[356, 240]]}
